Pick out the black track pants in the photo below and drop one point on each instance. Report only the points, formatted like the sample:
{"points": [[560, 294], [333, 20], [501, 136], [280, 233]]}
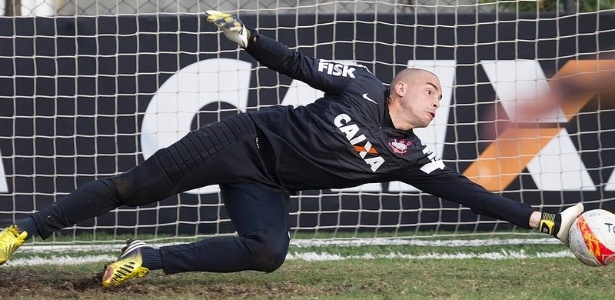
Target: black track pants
{"points": [[260, 216], [226, 153]]}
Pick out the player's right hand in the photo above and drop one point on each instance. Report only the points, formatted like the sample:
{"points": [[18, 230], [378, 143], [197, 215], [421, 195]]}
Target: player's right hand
{"points": [[231, 26]]}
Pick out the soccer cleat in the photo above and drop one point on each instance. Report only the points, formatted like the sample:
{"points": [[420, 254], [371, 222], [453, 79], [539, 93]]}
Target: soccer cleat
{"points": [[128, 265], [10, 240], [559, 225]]}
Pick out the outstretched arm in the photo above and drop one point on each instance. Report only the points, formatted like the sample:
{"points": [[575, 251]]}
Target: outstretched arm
{"points": [[450, 185], [324, 75]]}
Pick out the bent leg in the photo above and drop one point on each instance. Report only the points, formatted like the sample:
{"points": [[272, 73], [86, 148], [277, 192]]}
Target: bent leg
{"points": [[260, 215]]}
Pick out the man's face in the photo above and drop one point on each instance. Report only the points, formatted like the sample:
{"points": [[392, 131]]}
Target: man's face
{"points": [[420, 99]]}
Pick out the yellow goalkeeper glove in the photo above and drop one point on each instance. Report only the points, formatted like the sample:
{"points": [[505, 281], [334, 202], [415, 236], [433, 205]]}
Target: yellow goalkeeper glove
{"points": [[231, 26], [559, 225]]}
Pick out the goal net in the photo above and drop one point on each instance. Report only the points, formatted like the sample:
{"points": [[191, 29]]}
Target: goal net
{"points": [[89, 89]]}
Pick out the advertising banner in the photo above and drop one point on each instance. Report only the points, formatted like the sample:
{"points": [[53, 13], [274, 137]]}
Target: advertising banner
{"points": [[89, 97]]}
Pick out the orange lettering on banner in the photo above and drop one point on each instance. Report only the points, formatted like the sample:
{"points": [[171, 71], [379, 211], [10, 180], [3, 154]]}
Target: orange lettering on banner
{"points": [[506, 157]]}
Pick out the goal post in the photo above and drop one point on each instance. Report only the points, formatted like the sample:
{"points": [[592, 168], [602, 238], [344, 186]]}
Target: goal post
{"points": [[527, 108]]}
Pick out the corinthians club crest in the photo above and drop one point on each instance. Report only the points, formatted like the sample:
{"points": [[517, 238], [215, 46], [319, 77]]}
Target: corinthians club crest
{"points": [[400, 146]]}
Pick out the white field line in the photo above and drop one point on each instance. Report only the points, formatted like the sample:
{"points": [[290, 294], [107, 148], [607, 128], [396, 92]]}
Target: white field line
{"points": [[503, 254], [421, 242], [63, 260], [309, 256]]}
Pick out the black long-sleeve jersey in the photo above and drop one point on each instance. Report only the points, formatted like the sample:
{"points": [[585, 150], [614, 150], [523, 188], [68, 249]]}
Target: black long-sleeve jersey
{"points": [[347, 138]]}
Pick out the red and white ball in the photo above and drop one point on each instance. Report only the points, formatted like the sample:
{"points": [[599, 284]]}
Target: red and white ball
{"points": [[592, 237]]}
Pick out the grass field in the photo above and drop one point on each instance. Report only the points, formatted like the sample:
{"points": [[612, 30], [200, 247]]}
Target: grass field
{"points": [[534, 271]]}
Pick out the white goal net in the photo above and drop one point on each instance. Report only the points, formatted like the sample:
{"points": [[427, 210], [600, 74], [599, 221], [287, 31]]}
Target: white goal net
{"points": [[527, 111]]}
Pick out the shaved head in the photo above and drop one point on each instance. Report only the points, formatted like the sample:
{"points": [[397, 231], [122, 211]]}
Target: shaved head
{"points": [[409, 75]]}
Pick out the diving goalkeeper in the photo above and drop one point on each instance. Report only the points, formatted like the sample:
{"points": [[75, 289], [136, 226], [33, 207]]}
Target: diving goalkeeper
{"points": [[360, 131]]}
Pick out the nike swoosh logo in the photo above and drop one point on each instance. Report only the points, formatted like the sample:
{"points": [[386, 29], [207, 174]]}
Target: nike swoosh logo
{"points": [[369, 99]]}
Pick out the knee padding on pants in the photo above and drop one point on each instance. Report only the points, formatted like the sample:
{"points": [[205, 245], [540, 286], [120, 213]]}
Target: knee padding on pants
{"points": [[144, 184], [269, 247]]}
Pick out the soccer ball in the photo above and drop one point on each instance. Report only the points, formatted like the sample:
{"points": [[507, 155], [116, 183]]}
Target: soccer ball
{"points": [[592, 237]]}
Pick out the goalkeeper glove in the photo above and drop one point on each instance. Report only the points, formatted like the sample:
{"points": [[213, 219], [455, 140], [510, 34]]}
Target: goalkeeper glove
{"points": [[559, 225], [232, 27]]}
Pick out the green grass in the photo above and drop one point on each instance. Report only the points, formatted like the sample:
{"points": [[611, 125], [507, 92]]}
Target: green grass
{"points": [[552, 278], [380, 278]]}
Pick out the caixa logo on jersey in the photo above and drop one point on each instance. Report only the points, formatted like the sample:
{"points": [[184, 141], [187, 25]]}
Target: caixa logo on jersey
{"points": [[547, 151], [353, 134]]}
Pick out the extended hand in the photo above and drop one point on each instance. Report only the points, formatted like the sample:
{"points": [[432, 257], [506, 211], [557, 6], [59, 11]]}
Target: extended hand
{"points": [[231, 26], [567, 217]]}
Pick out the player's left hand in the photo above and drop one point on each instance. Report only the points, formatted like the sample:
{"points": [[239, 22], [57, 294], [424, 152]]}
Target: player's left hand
{"points": [[567, 217], [231, 26]]}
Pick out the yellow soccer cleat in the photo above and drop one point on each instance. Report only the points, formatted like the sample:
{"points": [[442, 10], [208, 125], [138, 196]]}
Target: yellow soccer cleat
{"points": [[128, 265], [10, 240]]}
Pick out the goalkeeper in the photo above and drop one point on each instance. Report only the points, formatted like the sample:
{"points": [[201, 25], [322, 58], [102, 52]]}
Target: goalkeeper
{"points": [[359, 132]]}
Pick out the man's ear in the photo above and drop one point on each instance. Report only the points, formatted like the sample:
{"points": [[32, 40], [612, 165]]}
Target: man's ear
{"points": [[400, 88]]}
